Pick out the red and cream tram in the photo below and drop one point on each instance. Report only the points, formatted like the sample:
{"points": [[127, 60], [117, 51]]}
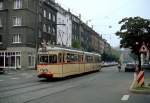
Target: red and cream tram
{"points": [[61, 62]]}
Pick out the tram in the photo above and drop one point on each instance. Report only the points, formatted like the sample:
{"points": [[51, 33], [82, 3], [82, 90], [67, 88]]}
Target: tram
{"points": [[55, 62]]}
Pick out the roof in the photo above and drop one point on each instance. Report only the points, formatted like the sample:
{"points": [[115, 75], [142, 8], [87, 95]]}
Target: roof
{"points": [[48, 48]]}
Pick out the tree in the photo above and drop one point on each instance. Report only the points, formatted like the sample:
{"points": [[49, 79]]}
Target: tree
{"points": [[133, 32], [76, 44], [111, 56], [133, 56]]}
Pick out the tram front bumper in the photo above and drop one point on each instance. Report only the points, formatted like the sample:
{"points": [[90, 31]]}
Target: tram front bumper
{"points": [[45, 75]]}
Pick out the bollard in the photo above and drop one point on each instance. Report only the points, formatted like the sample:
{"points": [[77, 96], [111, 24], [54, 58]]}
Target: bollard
{"points": [[140, 79]]}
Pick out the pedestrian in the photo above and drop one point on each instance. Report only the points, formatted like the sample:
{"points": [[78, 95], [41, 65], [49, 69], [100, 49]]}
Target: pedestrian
{"points": [[119, 66]]}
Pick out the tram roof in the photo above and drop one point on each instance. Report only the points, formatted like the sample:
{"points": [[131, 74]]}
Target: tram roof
{"points": [[61, 49], [67, 49]]}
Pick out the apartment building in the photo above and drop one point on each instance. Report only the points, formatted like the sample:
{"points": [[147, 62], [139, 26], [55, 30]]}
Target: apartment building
{"points": [[64, 27], [24, 24]]}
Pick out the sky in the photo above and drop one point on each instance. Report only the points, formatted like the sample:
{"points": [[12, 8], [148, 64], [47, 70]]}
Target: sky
{"points": [[104, 15]]}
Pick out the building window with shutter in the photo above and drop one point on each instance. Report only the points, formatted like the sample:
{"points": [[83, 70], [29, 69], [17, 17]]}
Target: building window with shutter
{"points": [[17, 4], [16, 38], [17, 21]]}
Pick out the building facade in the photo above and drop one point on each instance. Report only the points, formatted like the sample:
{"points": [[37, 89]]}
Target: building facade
{"points": [[76, 22], [24, 24], [64, 27]]}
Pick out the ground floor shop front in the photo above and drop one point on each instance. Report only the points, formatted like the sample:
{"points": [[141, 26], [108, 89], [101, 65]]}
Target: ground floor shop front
{"points": [[18, 58]]}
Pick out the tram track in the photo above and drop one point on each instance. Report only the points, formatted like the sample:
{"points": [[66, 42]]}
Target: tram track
{"points": [[78, 83], [8, 84], [10, 88], [24, 92]]}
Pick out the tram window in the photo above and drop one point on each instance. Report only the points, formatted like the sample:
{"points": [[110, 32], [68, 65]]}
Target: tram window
{"points": [[72, 57], [52, 58], [64, 58], [89, 59], [44, 59], [97, 59], [80, 58], [59, 58]]}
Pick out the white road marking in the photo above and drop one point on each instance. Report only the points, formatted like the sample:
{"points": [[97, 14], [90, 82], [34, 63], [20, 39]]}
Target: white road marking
{"points": [[14, 78], [125, 97], [1, 80]]}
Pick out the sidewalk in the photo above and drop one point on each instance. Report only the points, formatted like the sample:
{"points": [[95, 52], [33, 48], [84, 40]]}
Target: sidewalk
{"points": [[13, 71]]}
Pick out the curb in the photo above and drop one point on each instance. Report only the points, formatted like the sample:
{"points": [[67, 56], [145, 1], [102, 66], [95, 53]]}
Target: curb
{"points": [[133, 90]]}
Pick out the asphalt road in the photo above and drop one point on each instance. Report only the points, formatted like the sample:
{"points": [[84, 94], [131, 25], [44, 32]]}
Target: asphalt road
{"points": [[107, 86]]}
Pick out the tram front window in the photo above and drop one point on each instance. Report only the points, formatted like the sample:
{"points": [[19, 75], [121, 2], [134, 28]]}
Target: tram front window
{"points": [[48, 59], [44, 59]]}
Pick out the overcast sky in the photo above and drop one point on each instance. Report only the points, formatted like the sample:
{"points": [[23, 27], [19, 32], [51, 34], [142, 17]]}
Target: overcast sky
{"points": [[106, 13]]}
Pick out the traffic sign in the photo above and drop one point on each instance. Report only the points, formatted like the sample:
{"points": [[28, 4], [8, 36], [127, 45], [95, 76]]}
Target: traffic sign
{"points": [[143, 48]]}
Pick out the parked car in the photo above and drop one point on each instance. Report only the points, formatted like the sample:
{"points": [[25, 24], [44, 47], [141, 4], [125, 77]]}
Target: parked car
{"points": [[130, 67], [146, 66], [1, 70]]}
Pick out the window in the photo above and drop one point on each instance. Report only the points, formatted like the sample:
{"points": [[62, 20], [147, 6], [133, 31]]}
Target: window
{"points": [[40, 34], [44, 28], [17, 4], [45, 59], [40, 18], [0, 39], [16, 38], [49, 29], [72, 57], [89, 59], [44, 13], [49, 16], [54, 31], [1, 22], [31, 60], [18, 62], [54, 18], [1, 4], [17, 21]]}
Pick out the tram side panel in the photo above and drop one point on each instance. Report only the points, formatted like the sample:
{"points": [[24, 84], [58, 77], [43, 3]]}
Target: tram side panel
{"points": [[70, 69], [81, 68]]}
